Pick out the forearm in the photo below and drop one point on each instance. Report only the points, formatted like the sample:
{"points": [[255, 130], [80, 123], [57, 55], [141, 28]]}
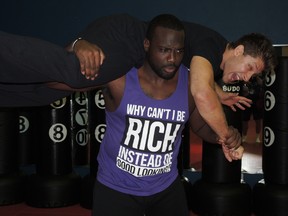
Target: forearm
{"points": [[201, 128], [212, 112], [203, 90], [206, 134], [233, 140]]}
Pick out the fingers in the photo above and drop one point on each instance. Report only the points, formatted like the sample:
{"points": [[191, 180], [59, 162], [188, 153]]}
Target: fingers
{"points": [[236, 102], [237, 154], [90, 63], [245, 102], [231, 146], [233, 108], [233, 140], [227, 153], [231, 154], [241, 105], [244, 99], [91, 57], [91, 66], [102, 57]]}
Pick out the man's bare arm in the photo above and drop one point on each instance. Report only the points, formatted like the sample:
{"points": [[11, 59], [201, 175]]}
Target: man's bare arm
{"points": [[206, 99]]}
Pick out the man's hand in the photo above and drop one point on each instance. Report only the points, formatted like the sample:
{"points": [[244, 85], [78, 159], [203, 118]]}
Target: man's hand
{"points": [[233, 100], [90, 56], [233, 154], [231, 146]]}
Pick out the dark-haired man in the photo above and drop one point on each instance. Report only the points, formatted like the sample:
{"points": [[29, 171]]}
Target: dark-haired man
{"points": [[146, 111]]}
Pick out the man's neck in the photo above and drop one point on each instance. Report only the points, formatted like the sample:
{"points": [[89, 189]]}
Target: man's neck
{"points": [[155, 86]]}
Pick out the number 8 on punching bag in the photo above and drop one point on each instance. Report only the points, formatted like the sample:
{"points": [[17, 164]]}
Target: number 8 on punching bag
{"points": [[54, 184]]}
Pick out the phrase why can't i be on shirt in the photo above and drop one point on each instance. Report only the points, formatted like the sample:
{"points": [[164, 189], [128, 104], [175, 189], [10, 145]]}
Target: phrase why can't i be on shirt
{"points": [[154, 112]]}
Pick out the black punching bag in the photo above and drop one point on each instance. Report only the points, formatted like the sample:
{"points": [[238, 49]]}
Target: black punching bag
{"points": [[220, 191], [79, 128], [11, 181], [271, 197], [97, 128], [54, 184], [183, 160], [26, 137]]}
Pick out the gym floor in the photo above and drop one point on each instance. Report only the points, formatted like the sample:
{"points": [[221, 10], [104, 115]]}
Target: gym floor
{"points": [[24, 210], [251, 162]]}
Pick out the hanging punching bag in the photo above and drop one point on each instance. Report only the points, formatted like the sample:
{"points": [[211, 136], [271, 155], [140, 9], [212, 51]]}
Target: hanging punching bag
{"points": [[97, 128], [26, 138], [220, 191], [11, 181], [184, 152], [54, 184], [79, 128], [183, 160], [271, 197]]}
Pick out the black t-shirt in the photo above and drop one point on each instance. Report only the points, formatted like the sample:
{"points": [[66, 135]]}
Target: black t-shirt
{"points": [[204, 42]]}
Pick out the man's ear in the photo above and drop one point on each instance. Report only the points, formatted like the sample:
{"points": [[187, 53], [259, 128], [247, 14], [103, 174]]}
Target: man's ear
{"points": [[146, 44], [239, 50]]}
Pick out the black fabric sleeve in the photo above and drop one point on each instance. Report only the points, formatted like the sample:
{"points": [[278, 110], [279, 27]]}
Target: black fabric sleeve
{"points": [[27, 63], [212, 49], [30, 60]]}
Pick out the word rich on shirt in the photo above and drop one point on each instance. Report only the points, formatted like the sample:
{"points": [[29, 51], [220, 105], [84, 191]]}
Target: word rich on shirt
{"points": [[147, 148]]}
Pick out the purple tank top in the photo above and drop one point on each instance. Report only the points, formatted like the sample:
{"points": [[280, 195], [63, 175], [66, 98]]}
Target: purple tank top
{"points": [[138, 154]]}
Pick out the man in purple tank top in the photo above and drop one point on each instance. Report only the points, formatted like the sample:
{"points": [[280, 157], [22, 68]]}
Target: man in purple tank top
{"points": [[146, 111]]}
